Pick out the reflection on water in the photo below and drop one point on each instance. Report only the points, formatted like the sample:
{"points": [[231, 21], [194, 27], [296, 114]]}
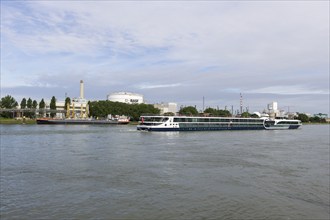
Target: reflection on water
{"points": [[116, 172]]}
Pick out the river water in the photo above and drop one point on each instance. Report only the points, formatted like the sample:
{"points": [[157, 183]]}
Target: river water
{"points": [[117, 172]]}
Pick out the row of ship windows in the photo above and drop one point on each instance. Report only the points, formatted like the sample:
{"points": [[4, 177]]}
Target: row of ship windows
{"points": [[220, 125], [215, 120], [288, 122]]}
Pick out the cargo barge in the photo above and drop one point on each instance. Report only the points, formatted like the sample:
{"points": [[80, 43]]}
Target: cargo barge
{"points": [[116, 121]]}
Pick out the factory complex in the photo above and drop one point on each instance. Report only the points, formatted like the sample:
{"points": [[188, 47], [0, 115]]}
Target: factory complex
{"points": [[79, 108]]}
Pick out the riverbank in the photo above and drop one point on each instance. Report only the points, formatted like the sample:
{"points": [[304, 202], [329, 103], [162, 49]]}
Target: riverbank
{"points": [[10, 121]]}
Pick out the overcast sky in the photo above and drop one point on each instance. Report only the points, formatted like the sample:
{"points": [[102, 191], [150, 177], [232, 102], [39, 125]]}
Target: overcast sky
{"points": [[175, 51]]}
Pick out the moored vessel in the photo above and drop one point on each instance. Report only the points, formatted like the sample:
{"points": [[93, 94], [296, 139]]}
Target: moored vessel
{"points": [[185, 123], [84, 121]]}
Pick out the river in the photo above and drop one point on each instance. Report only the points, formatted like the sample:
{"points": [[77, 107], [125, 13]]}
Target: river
{"points": [[117, 172]]}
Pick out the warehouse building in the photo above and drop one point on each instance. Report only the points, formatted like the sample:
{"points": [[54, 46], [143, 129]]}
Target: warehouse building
{"points": [[169, 107]]}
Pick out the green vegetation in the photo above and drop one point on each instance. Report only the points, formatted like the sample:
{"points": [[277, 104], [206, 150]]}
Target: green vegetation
{"points": [[11, 121], [7, 102], [52, 106], [217, 112], [42, 106], [305, 119], [189, 110], [23, 103], [67, 103], [101, 109]]}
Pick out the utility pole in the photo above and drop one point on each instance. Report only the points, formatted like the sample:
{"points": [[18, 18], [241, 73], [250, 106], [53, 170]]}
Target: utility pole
{"points": [[203, 103], [241, 102]]}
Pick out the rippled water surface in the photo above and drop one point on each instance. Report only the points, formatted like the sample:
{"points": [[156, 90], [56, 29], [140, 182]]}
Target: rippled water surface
{"points": [[116, 172]]}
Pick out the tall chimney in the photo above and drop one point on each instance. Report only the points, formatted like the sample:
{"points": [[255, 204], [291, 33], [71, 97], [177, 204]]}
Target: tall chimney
{"points": [[81, 89]]}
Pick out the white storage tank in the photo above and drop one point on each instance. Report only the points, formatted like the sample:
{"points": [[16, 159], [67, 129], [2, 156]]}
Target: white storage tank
{"points": [[126, 97]]}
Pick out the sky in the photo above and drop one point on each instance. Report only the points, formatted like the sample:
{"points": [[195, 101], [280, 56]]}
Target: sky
{"points": [[170, 51]]}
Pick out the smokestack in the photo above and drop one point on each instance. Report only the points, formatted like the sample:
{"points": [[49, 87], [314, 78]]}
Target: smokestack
{"points": [[81, 89]]}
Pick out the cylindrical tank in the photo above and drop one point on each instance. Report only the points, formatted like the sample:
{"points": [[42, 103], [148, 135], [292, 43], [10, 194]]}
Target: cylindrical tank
{"points": [[126, 97]]}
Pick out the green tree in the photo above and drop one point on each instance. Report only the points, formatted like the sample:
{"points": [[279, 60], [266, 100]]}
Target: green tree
{"points": [[101, 109], [52, 106], [23, 103], [8, 102], [67, 103], [254, 116], [34, 107], [42, 106], [245, 115], [218, 113], [189, 110], [303, 117], [29, 103], [34, 104], [29, 106], [211, 111]]}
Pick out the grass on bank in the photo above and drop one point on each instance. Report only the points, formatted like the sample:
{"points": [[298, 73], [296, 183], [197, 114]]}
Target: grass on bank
{"points": [[11, 121]]}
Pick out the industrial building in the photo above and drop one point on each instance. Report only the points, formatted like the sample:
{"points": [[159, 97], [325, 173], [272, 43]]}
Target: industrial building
{"points": [[78, 107], [126, 97], [170, 107]]}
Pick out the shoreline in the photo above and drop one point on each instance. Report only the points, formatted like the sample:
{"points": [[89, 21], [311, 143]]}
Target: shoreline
{"points": [[9, 121]]}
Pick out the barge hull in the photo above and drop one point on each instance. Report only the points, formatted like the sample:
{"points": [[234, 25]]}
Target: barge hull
{"points": [[80, 122]]}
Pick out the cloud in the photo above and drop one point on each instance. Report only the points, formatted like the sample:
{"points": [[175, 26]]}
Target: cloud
{"points": [[178, 48], [289, 90], [158, 86]]}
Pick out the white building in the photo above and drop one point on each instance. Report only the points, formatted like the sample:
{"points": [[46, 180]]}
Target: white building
{"points": [[167, 107], [78, 107], [126, 97]]}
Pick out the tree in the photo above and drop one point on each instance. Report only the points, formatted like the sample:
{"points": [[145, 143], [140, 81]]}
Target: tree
{"points": [[101, 109], [33, 107], [52, 106], [303, 117], [29, 103], [7, 102], [189, 110], [67, 103], [219, 113], [245, 115], [211, 111], [42, 106], [29, 106], [23, 103], [254, 116], [34, 104]]}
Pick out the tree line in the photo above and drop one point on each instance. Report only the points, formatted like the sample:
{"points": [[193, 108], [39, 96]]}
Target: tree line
{"points": [[101, 109], [9, 102]]}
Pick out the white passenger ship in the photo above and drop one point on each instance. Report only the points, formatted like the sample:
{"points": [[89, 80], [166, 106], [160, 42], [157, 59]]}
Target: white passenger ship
{"points": [[185, 123]]}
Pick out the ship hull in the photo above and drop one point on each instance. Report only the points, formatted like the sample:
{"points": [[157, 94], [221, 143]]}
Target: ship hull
{"points": [[200, 129]]}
